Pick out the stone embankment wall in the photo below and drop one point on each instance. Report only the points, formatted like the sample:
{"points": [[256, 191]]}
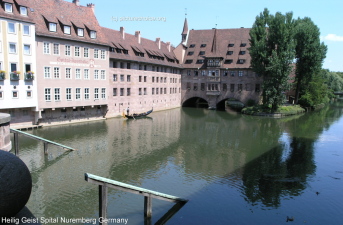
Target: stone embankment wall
{"points": [[5, 138]]}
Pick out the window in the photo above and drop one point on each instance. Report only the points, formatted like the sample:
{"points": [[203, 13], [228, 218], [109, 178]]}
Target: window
{"points": [[13, 48], [77, 51], [56, 49], [228, 61], [86, 74], [66, 29], [114, 91], [86, 52], [115, 78], [153, 79], [202, 53], [257, 88], [29, 94], [225, 73], [224, 87], [128, 65], [15, 94], [128, 78], [86, 93], [202, 86], [195, 86], [121, 91], [192, 46], [243, 44], [128, 91], [77, 73], [242, 52], [46, 48], [157, 91], [231, 45], [102, 54], [68, 94], [188, 61], [240, 73], [140, 79], [122, 77], [47, 94], [23, 10], [68, 73], [144, 78], [56, 72], [27, 49], [26, 29], [68, 50], [96, 93], [241, 61], [196, 72], [47, 73], [8, 7], [145, 93], [77, 93], [202, 45], [229, 52], [240, 87], [96, 53], [80, 32], [102, 74], [96, 74], [152, 91], [139, 91], [93, 34], [232, 87], [11, 28], [190, 53], [52, 27], [232, 73], [13, 67], [57, 95]]}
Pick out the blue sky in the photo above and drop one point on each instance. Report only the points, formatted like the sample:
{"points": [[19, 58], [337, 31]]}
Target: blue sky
{"points": [[201, 14]]}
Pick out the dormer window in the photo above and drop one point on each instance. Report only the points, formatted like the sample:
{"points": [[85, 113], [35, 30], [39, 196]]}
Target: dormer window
{"points": [[202, 53], [192, 46], [242, 52], [93, 34], [202, 45], [243, 44], [52, 27], [229, 53], [66, 29], [230, 45], [23, 10], [80, 32], [190, 53], [8, 7], [241, 61]]}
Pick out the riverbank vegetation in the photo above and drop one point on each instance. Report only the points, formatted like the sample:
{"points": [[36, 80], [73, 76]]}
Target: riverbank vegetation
{"points": [[264, 111]]}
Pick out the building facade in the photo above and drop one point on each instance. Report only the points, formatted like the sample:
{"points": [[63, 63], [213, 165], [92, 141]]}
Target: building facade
{"points": [[18, 83]]}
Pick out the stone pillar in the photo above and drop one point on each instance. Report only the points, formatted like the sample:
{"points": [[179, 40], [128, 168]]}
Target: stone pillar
{"points": [[5, 138]]}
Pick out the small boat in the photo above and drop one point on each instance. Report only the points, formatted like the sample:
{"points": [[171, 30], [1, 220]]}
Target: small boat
{"points": [[136, 116]]}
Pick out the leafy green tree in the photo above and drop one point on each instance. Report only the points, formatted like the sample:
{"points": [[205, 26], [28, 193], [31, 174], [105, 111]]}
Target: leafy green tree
{"points": [[310, 54], [316, 92], [272, 52]]}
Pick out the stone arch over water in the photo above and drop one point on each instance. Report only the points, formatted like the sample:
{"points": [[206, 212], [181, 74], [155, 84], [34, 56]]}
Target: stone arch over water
{"points": [[196, 102]]}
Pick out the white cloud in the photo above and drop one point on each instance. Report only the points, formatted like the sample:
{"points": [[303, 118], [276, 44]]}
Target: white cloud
{"points": [[332, 37]]}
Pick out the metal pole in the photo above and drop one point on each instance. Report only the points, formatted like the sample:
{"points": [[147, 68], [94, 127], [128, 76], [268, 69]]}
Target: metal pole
{"points": [[16, 144], [103, 204], [46, 144], [147, 206]]}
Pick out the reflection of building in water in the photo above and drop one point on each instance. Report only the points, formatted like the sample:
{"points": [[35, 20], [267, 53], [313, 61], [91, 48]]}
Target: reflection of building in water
{"points": [[113, 149]]}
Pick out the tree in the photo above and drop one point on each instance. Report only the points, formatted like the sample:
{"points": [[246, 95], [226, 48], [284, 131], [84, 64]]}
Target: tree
{"points": [[310, 54], [272, 52]]}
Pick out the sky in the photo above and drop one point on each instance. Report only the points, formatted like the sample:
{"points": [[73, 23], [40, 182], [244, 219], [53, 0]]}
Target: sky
{"points": [[165, 19]]}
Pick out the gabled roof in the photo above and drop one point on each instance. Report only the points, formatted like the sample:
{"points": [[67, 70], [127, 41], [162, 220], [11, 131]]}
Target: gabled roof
{"points": [[15, 15], [115, 39], [217, 46], [65, 13]]}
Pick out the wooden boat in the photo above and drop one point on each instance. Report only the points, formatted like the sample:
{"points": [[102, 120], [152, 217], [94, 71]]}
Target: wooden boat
{"points": [[136, 116]]}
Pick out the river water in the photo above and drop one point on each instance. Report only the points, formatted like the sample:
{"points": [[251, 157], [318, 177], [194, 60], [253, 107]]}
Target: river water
{"points": [[234, 169]]}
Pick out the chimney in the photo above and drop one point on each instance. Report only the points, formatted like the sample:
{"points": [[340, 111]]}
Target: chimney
{"points": [[122, 31], [76, 2], [138, 36], [158, 42], [168, 46], [90, 5]]}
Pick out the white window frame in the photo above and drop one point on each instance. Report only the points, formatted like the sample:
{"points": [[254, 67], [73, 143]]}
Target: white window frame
{"points": [[103, 93], [68, 94], [15, 47], [102, 54], [46, 48], [92, 34], [47, 72], [17, 93], [103, 74], [29, 29], [86, 74], [52, 27], [77, 51], [23, 10], [86, 93], [1, 94], [57, 94], [96, 74], [80, 32], [27, 93], [56, 48], [29, 53], [57, 73], [67, 50], [86, 52], [96, 53], [96, 93], [47, 94], [240, 73], [66, 29], [68, 73], [9, 26], [8, 7], [77, 73], [78, 94]]}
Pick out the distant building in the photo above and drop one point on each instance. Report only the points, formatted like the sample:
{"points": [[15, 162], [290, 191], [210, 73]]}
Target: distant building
{"points": [[216, 66]]}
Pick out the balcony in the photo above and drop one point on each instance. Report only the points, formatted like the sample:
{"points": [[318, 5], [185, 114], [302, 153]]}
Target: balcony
{"points": [[29, 76], [15, 76], [2, 75]]}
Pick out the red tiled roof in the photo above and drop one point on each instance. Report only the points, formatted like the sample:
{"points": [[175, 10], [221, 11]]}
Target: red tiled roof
{"points": [[15, 15], [146, 46], [66, 13], [217, 41]]}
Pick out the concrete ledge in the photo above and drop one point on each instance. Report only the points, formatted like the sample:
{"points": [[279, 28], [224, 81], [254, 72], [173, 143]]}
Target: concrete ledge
{"points": [[4, 118]]}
